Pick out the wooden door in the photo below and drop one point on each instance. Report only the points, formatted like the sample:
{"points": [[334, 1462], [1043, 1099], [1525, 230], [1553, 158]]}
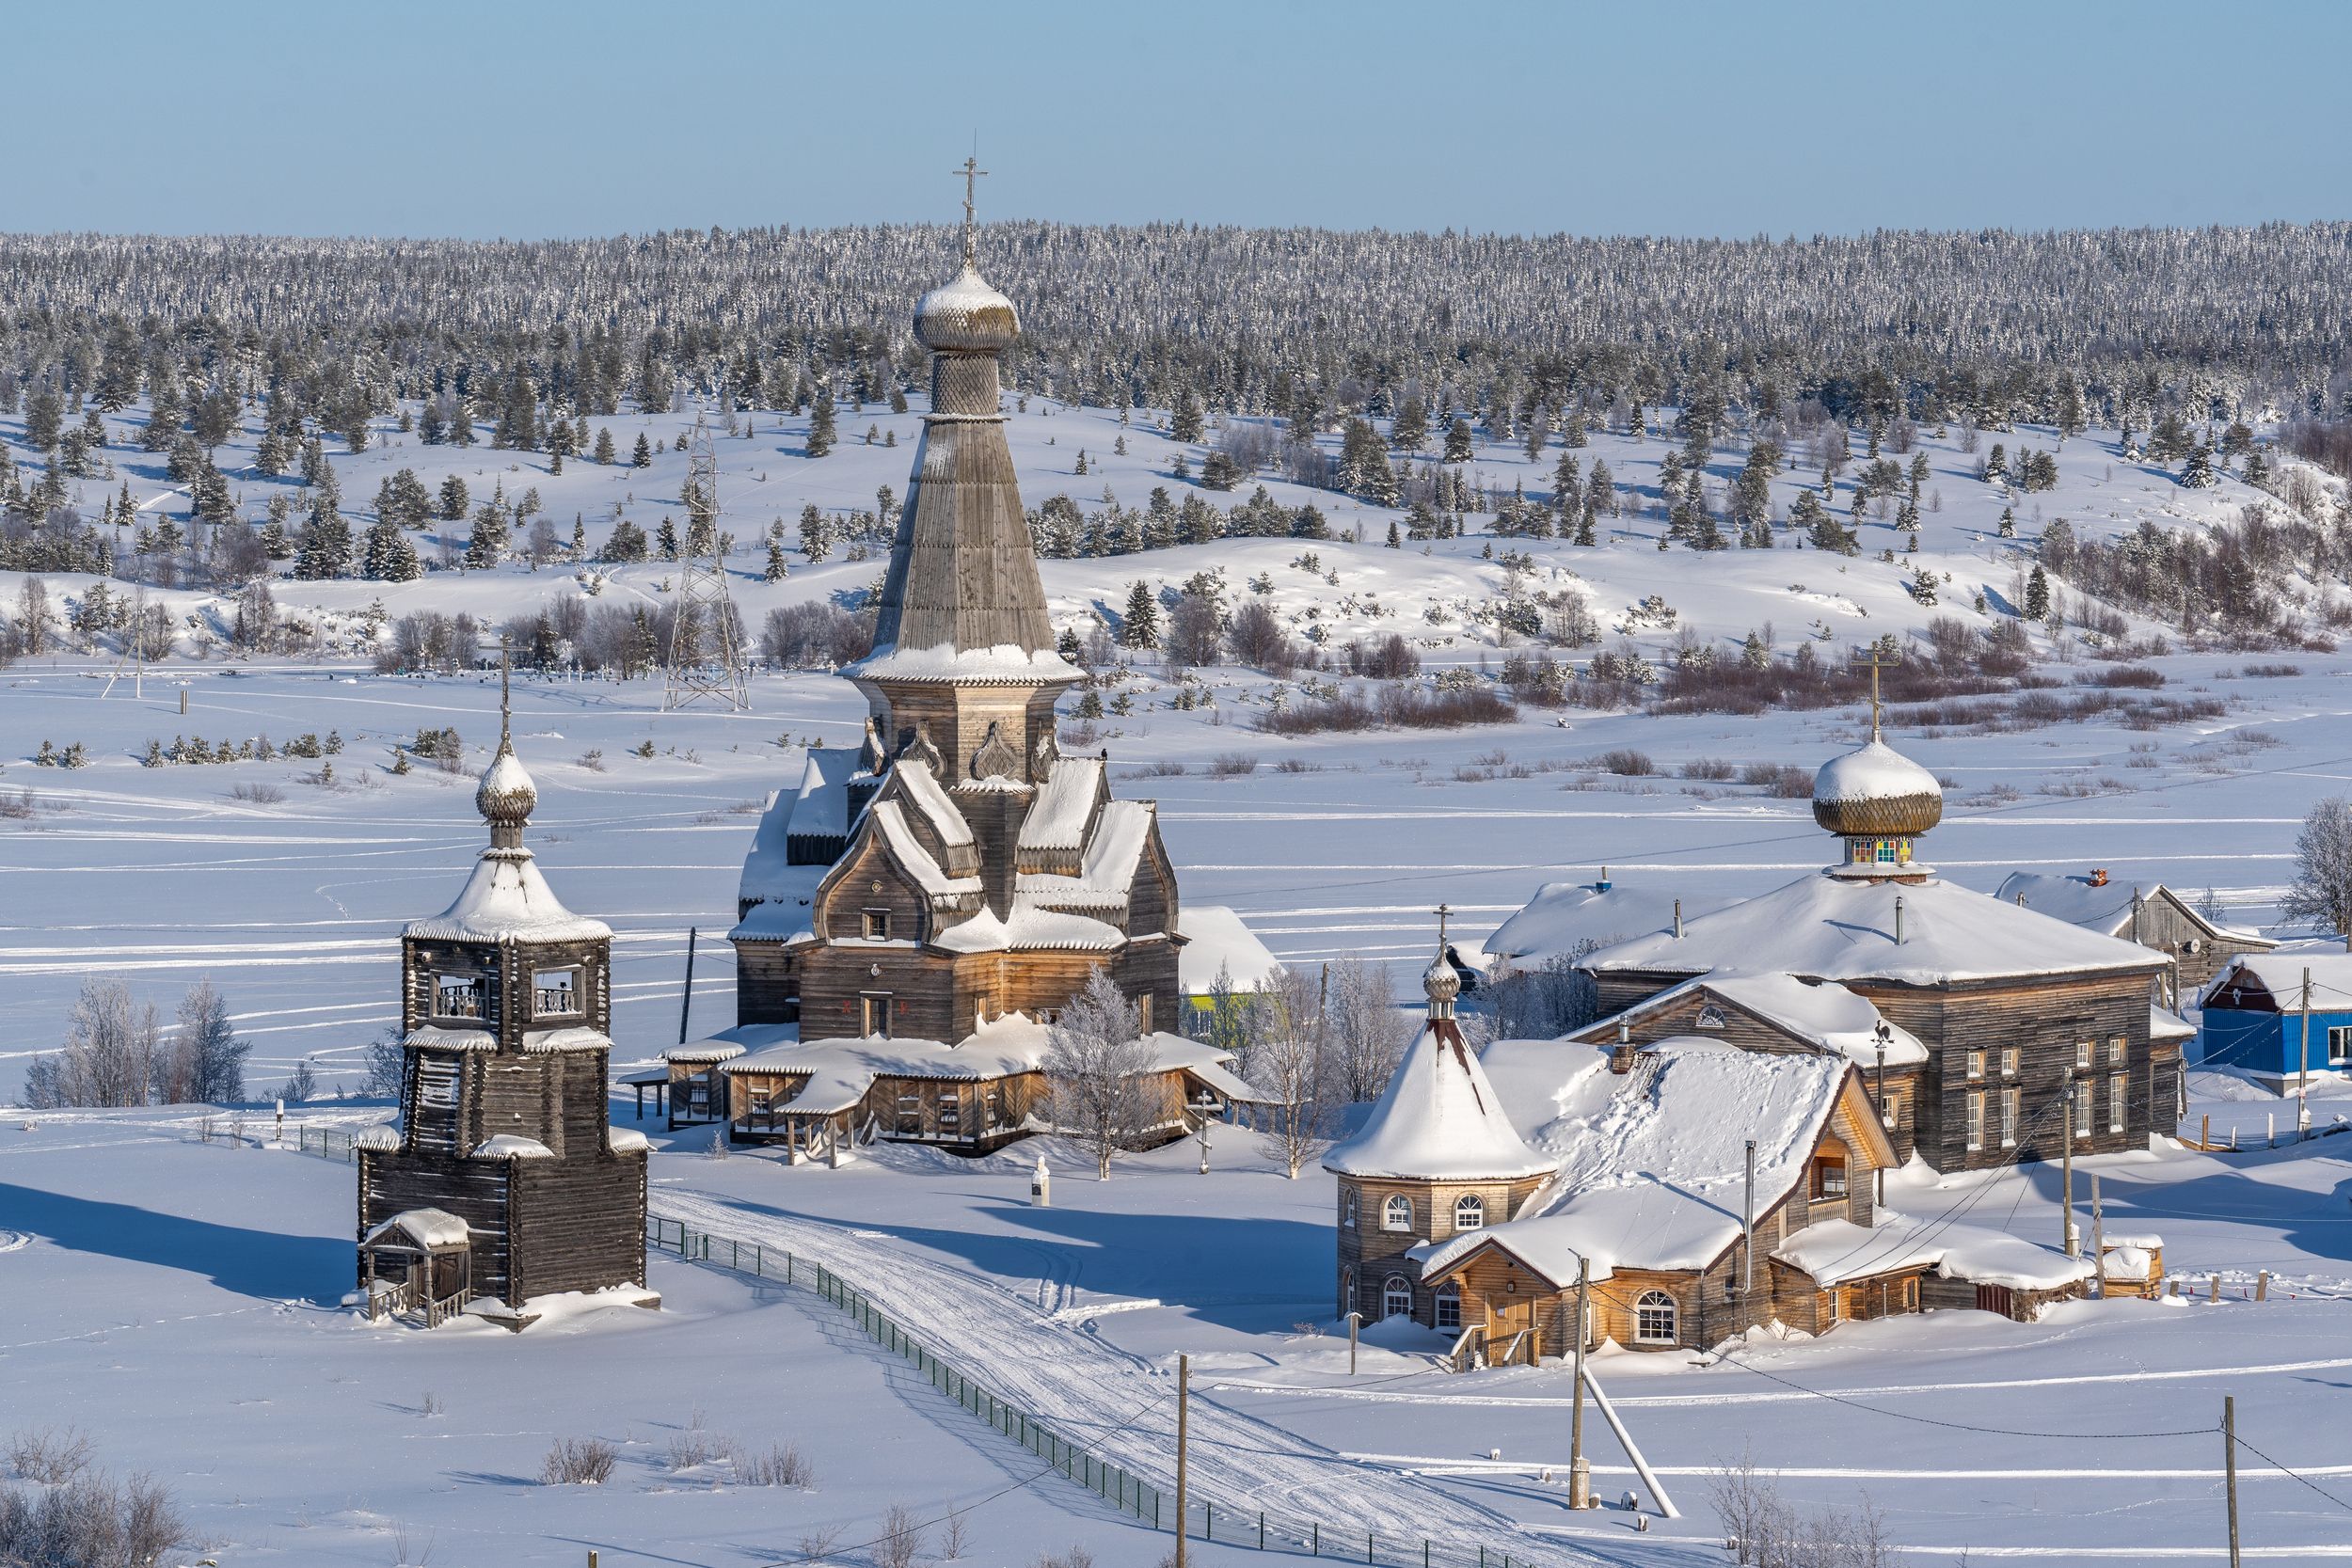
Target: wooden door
{"points": [[1996, 1298]]}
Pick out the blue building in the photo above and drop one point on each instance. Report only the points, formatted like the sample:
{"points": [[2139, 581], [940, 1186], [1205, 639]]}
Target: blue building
{"points": [[2255, 1015]]}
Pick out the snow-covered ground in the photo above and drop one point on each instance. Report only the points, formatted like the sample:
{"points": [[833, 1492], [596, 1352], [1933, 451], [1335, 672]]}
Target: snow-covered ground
{"points": [[167, 1278]]}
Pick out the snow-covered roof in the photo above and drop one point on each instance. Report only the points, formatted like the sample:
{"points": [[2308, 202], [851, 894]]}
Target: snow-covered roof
{"points": [[432, 1037], [1003, 664], [1835, 1251], [923, 792], [1107, 871], [421, 1228], [1058, 818], [1028, 927], [1573, 918], [2281, 975], [553, 1042], [717, 1048], [1830, 928], [506, 899], [2124, 1263], [2164, 1024], [1216, 940], [379, 1138], [1824, 1014], [818, 807], [909, 852], [786, 911], [511, 1146], [626, 1140], [2107, 907], [1651, 1163], [1437, 1119]]}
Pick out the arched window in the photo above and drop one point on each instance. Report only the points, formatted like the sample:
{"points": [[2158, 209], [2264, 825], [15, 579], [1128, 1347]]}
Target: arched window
{"points": [[1450, 1306], [1347, 1210], [1397, 1214], [1654, 1319], [1470, 1213], [1397, 1297]]}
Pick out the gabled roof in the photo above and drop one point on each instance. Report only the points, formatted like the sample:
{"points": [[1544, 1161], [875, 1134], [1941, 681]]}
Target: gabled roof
{"points": [[1822, 1014], [1652, 1164], [2107, 907], [1828, 927], [1835, 1251], [1215, 940], [1107, 867], [817, 807], [908, 852], [1438, 1119], [1058, 818], [2279, 978], [913, 782]]}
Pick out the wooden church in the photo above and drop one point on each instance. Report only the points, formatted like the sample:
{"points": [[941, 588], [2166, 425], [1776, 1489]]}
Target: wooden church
{"points": [[929, 898], [503, 1179]]}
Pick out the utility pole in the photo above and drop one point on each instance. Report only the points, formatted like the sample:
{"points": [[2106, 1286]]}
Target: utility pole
{"points": [[1184, 1397], [2098, 1236], [1747, 1229], [1354, 1318], [1580, 1468], [686, 997], [2066, 1158], [2303, 1077], [1880, 1036], [2228, 1460]]}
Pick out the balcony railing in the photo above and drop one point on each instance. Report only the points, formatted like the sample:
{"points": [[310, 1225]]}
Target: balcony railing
{"points": [[457, 1002], [559, 1002]]}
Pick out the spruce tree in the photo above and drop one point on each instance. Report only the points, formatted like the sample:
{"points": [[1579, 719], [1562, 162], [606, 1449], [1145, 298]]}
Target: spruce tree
{"points": [[643, 456], [1457, 440], [604, 453], [326, 545], [1140, 628], [665, 540], [1395, 540], [2198, 473], [821, 433], [1185, 421], [386, 555], [816, 534], [775, 572], [453, 499], [2038, 596]]}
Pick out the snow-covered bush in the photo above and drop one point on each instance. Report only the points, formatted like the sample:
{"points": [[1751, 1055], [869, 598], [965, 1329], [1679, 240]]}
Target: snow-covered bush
{"points": [[579, 1462]]}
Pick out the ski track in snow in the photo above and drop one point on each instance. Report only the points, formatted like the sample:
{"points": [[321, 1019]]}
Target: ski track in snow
{"points": [[1070, 1379]]}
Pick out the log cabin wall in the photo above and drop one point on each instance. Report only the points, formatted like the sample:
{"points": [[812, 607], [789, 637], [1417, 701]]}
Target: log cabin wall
{"points": [[870, 881], [767, 982], [578, 1224], [1369, 1252], [919, 987]]}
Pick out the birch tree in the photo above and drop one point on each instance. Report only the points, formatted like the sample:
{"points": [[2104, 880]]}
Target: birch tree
{"points": [[2322, 889], [1367, 1033], [1097, 1071], [1286, 1031]]}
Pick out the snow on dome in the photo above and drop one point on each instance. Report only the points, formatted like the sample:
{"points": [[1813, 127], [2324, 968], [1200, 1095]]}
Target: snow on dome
{"points": [[966, 315], [1875, 789], [1439, 1121], [506, 899], [506, 792]]}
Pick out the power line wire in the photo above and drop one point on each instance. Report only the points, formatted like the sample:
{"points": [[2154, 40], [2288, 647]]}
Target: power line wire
{"points": [[1956, 1426]]}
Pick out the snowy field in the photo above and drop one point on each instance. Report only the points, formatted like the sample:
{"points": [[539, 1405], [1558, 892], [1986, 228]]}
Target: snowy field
{"points": [[177, 1299]]}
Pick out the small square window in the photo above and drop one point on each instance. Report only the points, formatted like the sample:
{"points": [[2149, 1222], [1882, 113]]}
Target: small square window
{"points": [[878, 925], [2082, 1056], [555, 993], [2009, 1061], [457, 995], [1975, 1064], [2118, 1049]]}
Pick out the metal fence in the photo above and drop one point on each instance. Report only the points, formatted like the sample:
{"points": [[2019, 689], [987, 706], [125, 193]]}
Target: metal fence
{"points": [[1114, 1483], [326, 1143]]}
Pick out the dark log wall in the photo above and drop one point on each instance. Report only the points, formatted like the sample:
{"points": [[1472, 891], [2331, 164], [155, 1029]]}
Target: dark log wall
{"points": [[473, 1190], [579, 1224], [767, 982]]}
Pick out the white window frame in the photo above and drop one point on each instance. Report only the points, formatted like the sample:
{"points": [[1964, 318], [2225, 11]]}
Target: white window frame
{"points": [[2010, 1116], [2119, 1051], [1469, 1212], [1976, 1066], [1448, 1311], [2340, 1045], [1397, 1213], [2009, 1061], [1657, 1320], [2083, 1051], [1975, 1126], [1348, 1205], [1391, 1288], [2118, 1087], [1833, 1306], [1891, 1111], [2082, 1109]]}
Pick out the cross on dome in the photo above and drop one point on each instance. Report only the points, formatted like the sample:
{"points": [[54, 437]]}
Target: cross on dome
{"points": [[972, 172]]}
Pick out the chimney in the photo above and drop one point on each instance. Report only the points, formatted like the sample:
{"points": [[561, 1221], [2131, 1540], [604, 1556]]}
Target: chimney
{"points": [[2098, 875], [1677, 919], [1621, 1054], [1899, 920]]}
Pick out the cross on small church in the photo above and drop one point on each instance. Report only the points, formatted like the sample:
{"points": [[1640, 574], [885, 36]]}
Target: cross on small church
{"points": [[1444, 910], [972, 172], [1877, 661]]}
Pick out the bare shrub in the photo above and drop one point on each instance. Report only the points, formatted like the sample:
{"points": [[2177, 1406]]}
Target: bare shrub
{"points": [[19, 806], [430, 1404], [812, 634], [1387, 658], [1076, 1557], [50, 1455], [2137, 675], [778, 1464], [1298, 765], [1258, 640], [694, 1447], [955, 1537], [1232, 765], [902, 1539], [579, 1462], [257, 794], [1707, 768], [2272, 671], [818, 1544], [1166, 767], [1781, 781], [1546, 1002], [1626, 763], [89, 1521]]}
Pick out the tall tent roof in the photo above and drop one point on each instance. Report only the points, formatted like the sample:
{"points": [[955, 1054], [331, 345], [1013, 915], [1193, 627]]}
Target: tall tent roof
{"points": [[1438, 1119]]}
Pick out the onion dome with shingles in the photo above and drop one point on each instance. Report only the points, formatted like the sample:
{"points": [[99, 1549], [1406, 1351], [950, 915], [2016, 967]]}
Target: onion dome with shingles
{"points": [[1875, 791], [966, 315], [506, 797]]}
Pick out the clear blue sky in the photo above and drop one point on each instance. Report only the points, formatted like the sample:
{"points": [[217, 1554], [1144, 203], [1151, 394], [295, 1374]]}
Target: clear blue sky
{"points": [[511, 118]]}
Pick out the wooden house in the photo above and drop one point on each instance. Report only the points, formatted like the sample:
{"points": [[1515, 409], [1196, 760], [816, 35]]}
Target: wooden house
{"points": [[2037, 1032], [954, 870], [2150, 914], [505, 1180], [2257, 1017]]}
